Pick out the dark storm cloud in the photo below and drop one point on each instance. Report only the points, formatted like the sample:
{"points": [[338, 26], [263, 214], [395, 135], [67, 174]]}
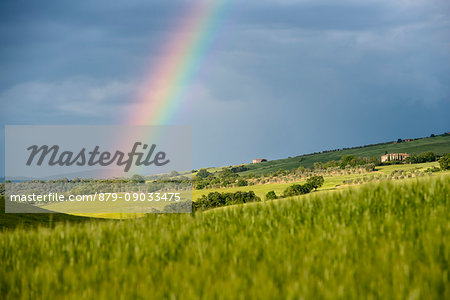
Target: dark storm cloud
{"points": [[54, 39], [316, 15], [293, 76]]}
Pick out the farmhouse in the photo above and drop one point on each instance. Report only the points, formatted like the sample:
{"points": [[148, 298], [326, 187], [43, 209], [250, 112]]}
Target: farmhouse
{"points": [[394, 156], [258, 160]]}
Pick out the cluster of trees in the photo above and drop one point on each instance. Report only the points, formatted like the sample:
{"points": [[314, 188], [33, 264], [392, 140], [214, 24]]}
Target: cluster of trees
{"points": [[421, 158], [315, 181], [216, 199], [242, 182], [349, 161], [312, 183], [238, 169], [223, 178], [444, 162], [87, 186], [297, 189]]}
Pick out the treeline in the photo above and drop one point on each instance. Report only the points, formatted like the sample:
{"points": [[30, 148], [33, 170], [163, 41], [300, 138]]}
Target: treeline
{"points": [[421, 158], [349, 161], [312, 183], [83, 186], [216, 199], [223, 178]]}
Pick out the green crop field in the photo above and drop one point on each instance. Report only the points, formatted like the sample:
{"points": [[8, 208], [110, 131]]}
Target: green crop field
{"points": [[439, 145], [384, 240]]}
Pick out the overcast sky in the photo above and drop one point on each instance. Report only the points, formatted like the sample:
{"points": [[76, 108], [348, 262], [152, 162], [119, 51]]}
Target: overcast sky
{"points": [[282, 78]]}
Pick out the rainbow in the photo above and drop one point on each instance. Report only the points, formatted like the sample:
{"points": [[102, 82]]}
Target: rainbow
{"points": [[166, 85]]}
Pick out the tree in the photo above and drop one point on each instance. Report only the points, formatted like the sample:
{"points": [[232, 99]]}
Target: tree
{"points": [[174, 174], [375, 160], [331, 164], [297, 189], [370, 167], [137, 178], [301, 169], [318, 165], [315, 181], [238, 169], [348, 160], [203, 173], [227, 174], [444, 162], [271, 195], [242, 182], [201, 185], [399, 140], [428, 156], [421, 158], [216, 199]]}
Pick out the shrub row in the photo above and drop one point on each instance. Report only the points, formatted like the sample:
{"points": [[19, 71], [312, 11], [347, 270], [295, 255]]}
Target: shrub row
{"points": [[216, 199]]}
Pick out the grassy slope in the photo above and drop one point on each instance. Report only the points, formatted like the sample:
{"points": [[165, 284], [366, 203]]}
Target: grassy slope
{"points": [[438, 144], [34, 219], [387, 240]]}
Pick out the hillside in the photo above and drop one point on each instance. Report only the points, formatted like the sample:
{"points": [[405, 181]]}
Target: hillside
{"points": [[35, 217], [438, 144]]}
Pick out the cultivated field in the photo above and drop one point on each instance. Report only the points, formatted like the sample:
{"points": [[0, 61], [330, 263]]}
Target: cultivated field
{"points": [[382, 240]]}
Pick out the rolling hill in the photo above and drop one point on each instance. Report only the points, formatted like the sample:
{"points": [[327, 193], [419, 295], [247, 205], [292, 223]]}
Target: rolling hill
{"points": [[438, 144], [35, 216]]}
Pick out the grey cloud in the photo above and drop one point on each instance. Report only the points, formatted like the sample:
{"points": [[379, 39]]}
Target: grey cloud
{"points": [[76, 97], [282, 77]]}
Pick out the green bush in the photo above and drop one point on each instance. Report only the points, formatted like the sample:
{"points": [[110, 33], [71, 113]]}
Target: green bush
{"points": [[298, 189], [271, 195], [216, 199], [315, 181], [444, 162], [242, 182]]}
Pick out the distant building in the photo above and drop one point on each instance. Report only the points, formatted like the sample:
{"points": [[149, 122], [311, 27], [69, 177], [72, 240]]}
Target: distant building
{"points": [[258, 160], [409, 140], [394, 156]]}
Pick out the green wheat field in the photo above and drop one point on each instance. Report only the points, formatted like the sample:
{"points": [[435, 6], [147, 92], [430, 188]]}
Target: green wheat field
{"points": [[383, 240]]}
